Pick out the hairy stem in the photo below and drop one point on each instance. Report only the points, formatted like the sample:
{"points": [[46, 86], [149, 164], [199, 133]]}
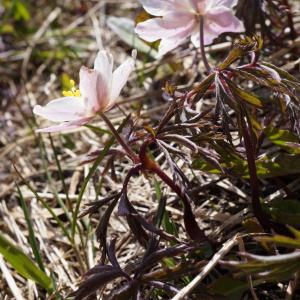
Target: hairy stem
{"points": [[203, 54]]}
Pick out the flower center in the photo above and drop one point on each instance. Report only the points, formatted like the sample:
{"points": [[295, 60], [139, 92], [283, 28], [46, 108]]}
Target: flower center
{"points": [[201, 7], [73, 92]]}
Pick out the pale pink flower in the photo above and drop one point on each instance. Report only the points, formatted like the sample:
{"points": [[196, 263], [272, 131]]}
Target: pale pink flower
{"points": [[179, 19], [98, 90]]}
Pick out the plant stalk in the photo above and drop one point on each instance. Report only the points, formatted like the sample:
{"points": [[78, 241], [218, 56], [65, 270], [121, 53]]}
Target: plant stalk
{"points": [[120, 140], [203, 54], [254, 182], [191, 225]]}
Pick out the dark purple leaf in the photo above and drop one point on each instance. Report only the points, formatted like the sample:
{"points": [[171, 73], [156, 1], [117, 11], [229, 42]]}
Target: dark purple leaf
{"points": [[150, 227], [202, 88], [191, 224], [128, 291], [126, 209], [158, 255], [99, 269], [111, 254], [96, 205], [101, 231], [242, 95], [94, 283]]}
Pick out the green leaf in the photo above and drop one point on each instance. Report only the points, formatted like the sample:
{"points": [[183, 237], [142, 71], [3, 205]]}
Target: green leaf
{"points": [[282, 240], [270, 268], [282, 138], [98, 130], [243, 95], [240, 49], [22, 264], [67, 141], [260, 77], [21, 11], [203, 86], [283, 74], [124, 28], [276, 165], [268, 166], [32, 239], [229, 287], [286, 211]]}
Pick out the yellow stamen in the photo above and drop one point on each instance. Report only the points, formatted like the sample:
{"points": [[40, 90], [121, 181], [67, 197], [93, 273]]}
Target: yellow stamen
{"points": [[73, 92]]}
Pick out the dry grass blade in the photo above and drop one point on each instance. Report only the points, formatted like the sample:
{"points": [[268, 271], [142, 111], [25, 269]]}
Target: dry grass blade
{"points": [[208, 268]]}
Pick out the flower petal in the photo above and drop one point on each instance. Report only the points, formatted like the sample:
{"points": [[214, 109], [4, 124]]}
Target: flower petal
{"points": [[104, 65], [94, 90], [215, 3], [160, 8], [168, 44], [209, 36], [66, 125], [222, 19], [62, 109], [218, 20], [171, 25], [120, 77], [157, 7]]}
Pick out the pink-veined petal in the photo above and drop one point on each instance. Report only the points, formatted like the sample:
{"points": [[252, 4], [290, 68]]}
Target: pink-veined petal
{"points": [[194, 4], [66, 125], [157, 7], [151, 30], [94, 90], [171, 25], [209, 36], [160, 8], [170, 43], [185, 5], [199, 6], [222, 19], [104, 65], [120, 77], [61, 109], [216, 3], [217, 21]]}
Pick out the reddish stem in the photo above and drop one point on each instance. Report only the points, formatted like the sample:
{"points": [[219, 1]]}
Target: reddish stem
{"points": [[254, 182], [120, 140], [191, 225]]}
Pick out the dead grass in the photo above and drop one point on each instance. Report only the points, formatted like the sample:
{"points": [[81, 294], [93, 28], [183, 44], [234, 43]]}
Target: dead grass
{"points": [[64, 35]]}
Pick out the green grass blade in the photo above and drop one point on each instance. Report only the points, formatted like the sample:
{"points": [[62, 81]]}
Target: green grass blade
{"points": [[90, 174], [32, 239], [23, 265], [60, 173], [52, 213], [86, 180]]}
